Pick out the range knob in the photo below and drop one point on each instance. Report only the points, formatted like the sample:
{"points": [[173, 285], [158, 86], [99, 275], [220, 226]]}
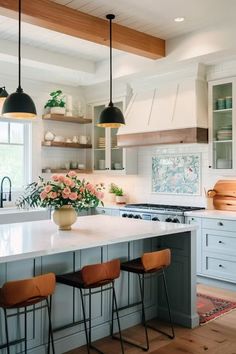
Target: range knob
{"points": [[176, 220], [124, 215], [137, 217], [155, 219], [130, 216], [168, 219]]}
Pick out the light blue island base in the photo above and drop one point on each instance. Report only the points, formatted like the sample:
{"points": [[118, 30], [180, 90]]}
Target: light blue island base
{"points": [[181, 280]]}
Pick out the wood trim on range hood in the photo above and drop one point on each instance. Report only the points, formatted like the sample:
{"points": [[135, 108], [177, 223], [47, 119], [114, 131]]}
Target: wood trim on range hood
{"points": [[175, 136]]}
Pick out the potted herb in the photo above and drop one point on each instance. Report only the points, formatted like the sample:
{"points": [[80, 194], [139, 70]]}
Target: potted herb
{"points": [[56, 103], [120, 197], [112, 192]]}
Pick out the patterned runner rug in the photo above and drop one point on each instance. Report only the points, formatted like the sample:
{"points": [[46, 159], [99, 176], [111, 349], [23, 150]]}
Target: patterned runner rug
{"points": [[209, 307]]}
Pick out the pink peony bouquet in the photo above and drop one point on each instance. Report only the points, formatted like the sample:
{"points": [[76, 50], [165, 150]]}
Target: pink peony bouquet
{"points": [[62, 190]]}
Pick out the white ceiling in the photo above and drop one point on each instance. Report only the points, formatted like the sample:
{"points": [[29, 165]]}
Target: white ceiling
{"points": [[52, 41], [156, 17], [73, 61]]}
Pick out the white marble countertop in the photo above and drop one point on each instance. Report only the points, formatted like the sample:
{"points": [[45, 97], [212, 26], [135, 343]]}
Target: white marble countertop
{"points": [[38, 238], [215, 214]]}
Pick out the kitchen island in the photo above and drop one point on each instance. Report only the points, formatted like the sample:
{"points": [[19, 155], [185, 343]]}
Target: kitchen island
{"points": [[33, 248]]}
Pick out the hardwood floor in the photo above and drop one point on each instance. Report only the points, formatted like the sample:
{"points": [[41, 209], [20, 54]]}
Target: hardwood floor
{"points": [[216, 337]]}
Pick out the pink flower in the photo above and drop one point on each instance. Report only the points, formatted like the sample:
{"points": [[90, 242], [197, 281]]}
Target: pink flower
{"points": [[81, 189], [43, 195], [100, 195], [66, 191], [61, 178], [72, 174], [65, 196], [89, 187], [55, 177], [67, 181], [72, 184], [73, 196], [48, 189], [53, 195]]}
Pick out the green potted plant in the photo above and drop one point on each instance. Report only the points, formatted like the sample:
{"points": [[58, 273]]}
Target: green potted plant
{"points": [[56, 103], [112, 192], [120, 197]]}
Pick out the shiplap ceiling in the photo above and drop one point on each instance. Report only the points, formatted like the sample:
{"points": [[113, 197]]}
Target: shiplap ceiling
{"points": [[156, 17], [52, 41]]}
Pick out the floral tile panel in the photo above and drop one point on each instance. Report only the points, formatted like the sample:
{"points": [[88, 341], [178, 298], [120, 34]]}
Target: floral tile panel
{"points": [[176, 174]]}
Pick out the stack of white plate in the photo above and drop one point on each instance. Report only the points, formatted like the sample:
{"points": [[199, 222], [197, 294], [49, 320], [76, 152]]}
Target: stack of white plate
{"points": [[225, 133], [101, 143]]}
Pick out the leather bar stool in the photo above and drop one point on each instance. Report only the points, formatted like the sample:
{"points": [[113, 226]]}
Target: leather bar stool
{"points": [[92, 277], [149, 263], [22, 294]]}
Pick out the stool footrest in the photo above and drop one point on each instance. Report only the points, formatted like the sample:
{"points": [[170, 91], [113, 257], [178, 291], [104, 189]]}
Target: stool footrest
{"points": [[130, 341], [171, 336], [14, 342]]}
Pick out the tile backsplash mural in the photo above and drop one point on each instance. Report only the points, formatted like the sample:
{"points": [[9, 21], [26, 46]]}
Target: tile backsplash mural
{"points": [[176, 174]]}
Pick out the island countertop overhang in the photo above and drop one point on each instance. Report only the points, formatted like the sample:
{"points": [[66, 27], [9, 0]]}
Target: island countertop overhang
{"points": [[40, 238]]}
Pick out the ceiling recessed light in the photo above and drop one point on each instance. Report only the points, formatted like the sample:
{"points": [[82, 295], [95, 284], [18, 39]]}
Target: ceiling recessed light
{"points": [[179, 19]]}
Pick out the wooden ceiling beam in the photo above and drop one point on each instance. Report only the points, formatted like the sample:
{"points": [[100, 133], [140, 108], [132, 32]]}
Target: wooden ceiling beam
{"points": [[60, 18]]}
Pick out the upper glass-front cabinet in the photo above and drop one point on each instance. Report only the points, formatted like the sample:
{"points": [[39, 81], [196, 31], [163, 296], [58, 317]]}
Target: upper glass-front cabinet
{"points": [[107, 156], [222, 125]]}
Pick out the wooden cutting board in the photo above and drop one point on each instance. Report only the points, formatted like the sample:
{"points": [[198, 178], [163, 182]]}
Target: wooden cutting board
{"points": [[225, 198]]}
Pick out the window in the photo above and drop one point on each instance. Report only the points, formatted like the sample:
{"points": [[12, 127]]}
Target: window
{"points": [[14, 152]]}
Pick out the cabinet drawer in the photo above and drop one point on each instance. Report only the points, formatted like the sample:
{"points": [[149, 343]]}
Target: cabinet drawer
{"points": [[218, 267], [218, 241], [219, 224], [104, 211]]}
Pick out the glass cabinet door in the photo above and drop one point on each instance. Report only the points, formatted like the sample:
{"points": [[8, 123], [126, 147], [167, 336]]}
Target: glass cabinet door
{"points": [[116, 153], [99, 142], [222, 126]]}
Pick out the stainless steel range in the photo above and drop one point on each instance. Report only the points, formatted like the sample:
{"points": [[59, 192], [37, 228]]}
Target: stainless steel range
{"points": [[156, 212]]}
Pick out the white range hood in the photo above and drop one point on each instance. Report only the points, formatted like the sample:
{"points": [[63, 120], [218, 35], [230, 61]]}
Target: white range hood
{"points": [[168, 114]]}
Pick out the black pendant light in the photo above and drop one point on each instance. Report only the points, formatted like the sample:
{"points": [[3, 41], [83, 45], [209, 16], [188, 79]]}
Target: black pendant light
{"points": [[19, 104], [111, 116], [3, 94]]}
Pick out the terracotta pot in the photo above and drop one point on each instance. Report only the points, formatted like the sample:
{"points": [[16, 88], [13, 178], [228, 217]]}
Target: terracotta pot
{"points": [[120, 199], [111, 197], [65, 217]]}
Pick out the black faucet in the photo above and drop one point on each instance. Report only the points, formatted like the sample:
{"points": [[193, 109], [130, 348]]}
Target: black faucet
{"points": [[2, 198]]}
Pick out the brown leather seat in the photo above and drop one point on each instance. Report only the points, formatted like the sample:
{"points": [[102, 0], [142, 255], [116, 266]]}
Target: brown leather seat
{"points": [[22, 293], [92, 276], [149, 263], [89, 277]]}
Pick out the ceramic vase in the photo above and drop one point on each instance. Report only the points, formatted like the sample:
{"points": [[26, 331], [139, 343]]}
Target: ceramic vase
{"points": [[65, 217]]}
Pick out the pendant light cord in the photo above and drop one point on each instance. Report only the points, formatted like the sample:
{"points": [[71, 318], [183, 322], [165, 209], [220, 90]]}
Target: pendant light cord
{"points": [[110, 103], [19, 89]]}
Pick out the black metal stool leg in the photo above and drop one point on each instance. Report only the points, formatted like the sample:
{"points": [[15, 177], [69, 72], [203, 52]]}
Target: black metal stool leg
{"points": [[168, 304], [7, 333], [171, 336], [141, 286], [114, 304], [50, 331], [25, 330], [85, 325], [90, 317]]}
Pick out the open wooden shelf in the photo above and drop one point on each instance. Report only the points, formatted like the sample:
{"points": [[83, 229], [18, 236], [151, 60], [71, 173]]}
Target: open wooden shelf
{"points": [[67, 119], [63, 170], [67, 145]]}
